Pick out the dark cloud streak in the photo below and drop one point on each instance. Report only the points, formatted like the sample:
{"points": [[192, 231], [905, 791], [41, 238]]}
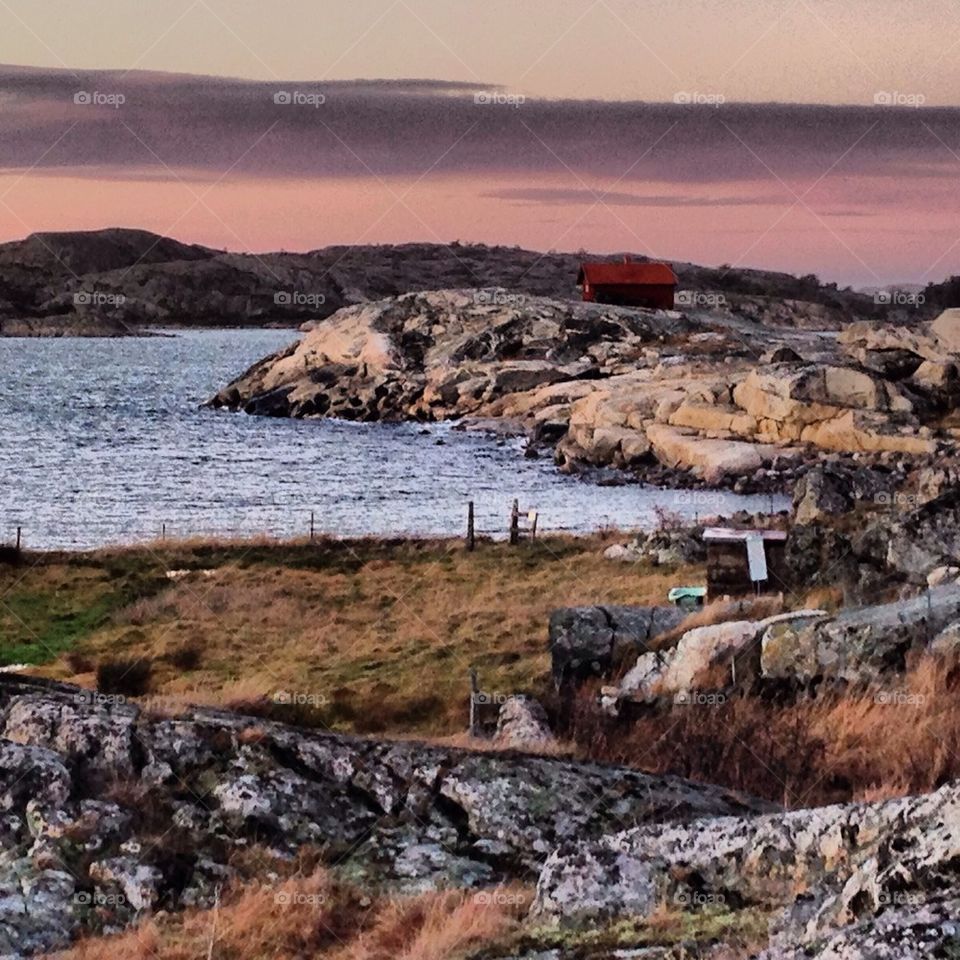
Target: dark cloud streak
{"points": [[551, 196], [404, 128]]}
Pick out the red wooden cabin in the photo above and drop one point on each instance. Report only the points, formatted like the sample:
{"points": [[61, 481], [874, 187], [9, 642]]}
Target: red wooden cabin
{"points": [[629, 284]]}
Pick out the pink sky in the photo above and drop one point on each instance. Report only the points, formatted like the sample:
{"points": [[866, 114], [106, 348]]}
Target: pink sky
{"points": [[805, 51], [851, 235], [864, 195]]}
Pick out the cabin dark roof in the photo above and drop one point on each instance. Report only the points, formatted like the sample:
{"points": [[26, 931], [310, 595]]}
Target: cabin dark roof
{"points": [[613, 274]]}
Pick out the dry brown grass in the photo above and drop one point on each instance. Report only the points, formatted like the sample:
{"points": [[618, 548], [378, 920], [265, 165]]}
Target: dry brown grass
{"points": [[836, 746], [464, 741], [898, 739], [314, 916], [381, 636]]}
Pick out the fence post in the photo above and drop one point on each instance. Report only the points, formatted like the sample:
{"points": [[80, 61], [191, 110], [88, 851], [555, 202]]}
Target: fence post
{"points": [[515, 523], [18, 539], [311, 526], [474, 690], [163, 532], [471, 538]]}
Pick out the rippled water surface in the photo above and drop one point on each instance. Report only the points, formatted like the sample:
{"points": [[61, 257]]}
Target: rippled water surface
{"points": [[104, 441]]}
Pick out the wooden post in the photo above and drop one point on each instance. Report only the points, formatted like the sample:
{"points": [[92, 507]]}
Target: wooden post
{"points": [[534, 517], [312, 527], [163, 531], [18, 539], [471, 538], [515, 523], [474, 690]]}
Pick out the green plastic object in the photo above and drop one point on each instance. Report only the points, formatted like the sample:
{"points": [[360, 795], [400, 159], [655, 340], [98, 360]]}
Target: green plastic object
{"points": [[687, 596]]}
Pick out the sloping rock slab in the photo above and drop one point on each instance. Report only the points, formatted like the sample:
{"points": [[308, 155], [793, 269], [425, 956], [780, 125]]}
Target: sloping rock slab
{"points": [[858, 646], [845, 874], [94, 793]]}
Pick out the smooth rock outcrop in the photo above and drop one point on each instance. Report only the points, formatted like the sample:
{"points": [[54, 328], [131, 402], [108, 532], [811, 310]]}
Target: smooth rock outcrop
{"points": [[711, 460], [704, 660], [868, 877], [443, 354], [523, 724], [88, 817], [858, 646], [653, 392]]}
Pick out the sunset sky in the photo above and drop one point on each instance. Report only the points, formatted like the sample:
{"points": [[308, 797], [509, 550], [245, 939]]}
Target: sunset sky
{"points": [[185, 130]]}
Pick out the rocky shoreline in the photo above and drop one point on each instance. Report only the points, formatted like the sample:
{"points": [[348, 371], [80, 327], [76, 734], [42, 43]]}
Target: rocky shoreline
{"points": [[659, 395]]}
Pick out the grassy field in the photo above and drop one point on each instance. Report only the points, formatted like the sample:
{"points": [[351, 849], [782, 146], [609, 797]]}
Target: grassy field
{"points": [[368, 636], [379, 637]]}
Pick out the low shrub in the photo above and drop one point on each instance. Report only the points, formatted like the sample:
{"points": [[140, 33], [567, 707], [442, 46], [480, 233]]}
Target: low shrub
{"points": [[128, 678], [188, 656], [314, 916], [78, 663]]}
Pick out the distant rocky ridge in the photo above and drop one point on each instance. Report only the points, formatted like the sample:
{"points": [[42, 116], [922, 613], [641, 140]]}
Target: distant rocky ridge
{"points": [[703, 393], [112, 282]]}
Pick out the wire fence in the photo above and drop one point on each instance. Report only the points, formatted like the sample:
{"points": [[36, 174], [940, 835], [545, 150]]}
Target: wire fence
{"points": [[517, 525]]}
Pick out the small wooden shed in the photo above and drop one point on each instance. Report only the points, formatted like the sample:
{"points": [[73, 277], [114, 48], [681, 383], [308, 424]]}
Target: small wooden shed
{"points": [[629, 284], [744, 562]]}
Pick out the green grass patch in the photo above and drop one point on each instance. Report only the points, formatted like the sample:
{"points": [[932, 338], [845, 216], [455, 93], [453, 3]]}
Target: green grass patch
{"points": [[43, 616], [37, 628], [686, 932]]}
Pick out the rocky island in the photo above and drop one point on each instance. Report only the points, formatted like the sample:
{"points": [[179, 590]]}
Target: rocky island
{"points": [[708, 394]]}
